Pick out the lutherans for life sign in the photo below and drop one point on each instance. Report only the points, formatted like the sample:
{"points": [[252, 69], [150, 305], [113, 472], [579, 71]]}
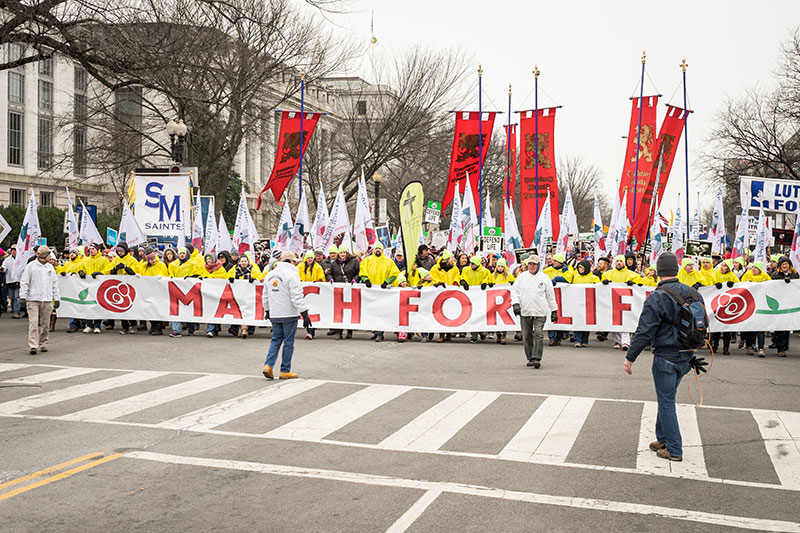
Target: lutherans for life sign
{"points": [[782, 196], [162, 203], [770, 305]]}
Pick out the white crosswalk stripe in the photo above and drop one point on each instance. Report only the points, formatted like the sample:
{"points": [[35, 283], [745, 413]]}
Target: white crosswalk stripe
{"points": [[547, 437], [322, 422]]}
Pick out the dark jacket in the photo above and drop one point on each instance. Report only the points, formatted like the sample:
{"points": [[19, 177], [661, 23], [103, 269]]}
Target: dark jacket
{"points": [[427, 262], [781, 276], [344, 272], [326, 265], [657, 322]]}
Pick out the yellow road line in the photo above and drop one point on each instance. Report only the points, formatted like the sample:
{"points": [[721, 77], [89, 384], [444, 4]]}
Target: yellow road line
{"points": [[59, 476], [50, 470]]}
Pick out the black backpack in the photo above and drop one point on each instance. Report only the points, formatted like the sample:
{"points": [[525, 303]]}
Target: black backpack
{"points": [[693, 320]]}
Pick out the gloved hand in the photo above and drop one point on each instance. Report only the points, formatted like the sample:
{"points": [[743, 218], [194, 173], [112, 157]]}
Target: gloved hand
{"points": [[718, 285], [440, 284], [517, 310], [729, 284], [787, 280], [230, 280], [266, 314], [697, 285], [605, 282], [95, 274], [82, 274], [483, 286], [306, 319], [56, 304], [491, 285], [419, 287], [252, 280], [384, 285], [464, 285], [629, 283], [129, 271], [64, 274], [553, 316], [699, 364], [640, 284], [23, 302], [368, 283]]}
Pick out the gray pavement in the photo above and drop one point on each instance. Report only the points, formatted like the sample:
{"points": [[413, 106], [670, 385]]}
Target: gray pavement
{"points": [[177, 434]]}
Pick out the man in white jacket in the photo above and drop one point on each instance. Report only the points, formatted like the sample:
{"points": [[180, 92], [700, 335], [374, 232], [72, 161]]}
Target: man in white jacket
{"points": [[283, 305], [38, 288], [533, 299]]}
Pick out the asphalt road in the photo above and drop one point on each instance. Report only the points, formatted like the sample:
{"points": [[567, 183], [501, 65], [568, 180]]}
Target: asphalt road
{"points": [[110, 432]]}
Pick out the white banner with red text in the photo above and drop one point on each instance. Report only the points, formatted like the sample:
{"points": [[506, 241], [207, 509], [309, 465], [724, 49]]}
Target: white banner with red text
{"points": [[767, 306]]}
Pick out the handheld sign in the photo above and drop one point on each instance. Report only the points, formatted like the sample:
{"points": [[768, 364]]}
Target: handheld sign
{"points": [[111, 237], [433, 212], [492, 240]]}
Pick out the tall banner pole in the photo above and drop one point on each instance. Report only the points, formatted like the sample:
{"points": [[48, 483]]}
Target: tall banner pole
{"points": [[508, 146], [684, 65], [536, 137], [480, 151], [638, 142], [302, 102]]}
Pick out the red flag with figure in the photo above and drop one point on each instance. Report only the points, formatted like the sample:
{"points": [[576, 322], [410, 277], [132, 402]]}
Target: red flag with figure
{"points": [[646, 143], [510, 181], [532, 199], [664, 156], [287, 155], [464, 158]]}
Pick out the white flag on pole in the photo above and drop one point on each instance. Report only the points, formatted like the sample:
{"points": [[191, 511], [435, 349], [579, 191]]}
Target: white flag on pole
{"points": [[656, 245], [211, 236], [717, 229], [597, 228], [513, 239], [301, 225], [129, 230], [88, 232], [677, 231], [695, 227], [611, 247], [456, 229], [469, 219], [72, 224], [29, 235], [620, 240], [320, 221], [488, 219], [760, 253], [283, 237], [363, 228], [245, 234], [741, 242], [794, 254], [569, 223], [197, 224], [544, 228], [223, 236], [339, 222]]}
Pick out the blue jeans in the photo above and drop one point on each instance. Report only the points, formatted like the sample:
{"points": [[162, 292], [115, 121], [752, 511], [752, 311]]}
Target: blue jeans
{"points": [[13, 294], [94, 324], [212, 328], [178, 326], [556, 335], [282, 333], [667, 376], [582, 337]]}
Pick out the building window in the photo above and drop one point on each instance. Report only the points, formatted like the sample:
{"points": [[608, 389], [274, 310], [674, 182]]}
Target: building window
{"points": [[17, 197], [15, 51], [46, 199], [45, 95], [361, 107], [79, 151], [80, 107], [45, 142], [46, 67], [81, 82], [15, 138], [16, 87]]}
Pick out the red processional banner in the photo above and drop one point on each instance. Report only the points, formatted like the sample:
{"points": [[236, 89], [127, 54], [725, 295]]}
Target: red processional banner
{"points": [[646, 143], [533, 189], [287, 154], [510, 181], [664, 156], [464, 159]]}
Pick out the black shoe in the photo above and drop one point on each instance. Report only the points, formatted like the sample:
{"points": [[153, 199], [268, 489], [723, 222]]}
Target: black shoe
{"points": [[771, 346], [482, 336], [156, 332], [374, 337], [233, 331], [537, 364], [379, 337], [349, 334], [726, 352], [517, 336], [33, 351], [530, 363], [473, 340], [331, 332]]}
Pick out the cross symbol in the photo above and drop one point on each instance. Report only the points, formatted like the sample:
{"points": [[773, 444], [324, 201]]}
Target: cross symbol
{"points": [[409, 201]]}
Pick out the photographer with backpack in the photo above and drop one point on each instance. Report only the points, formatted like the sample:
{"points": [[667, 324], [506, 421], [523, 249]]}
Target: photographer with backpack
{"points": [[674, 320]]}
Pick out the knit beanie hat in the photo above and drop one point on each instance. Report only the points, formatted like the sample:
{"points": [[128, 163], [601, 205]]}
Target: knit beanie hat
{"points": [[667, 264]]}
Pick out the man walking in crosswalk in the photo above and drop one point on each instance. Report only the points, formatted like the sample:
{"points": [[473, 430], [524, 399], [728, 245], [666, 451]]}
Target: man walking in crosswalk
{"points": [[671, 361], [533, 299]]}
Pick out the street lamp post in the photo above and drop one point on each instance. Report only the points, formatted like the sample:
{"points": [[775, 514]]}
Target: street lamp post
{"points": [[376, 179], [177, 139]]}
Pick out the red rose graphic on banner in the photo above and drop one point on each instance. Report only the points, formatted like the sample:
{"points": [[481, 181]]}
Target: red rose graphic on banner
{"points": [[116, 296], [733, 306]]}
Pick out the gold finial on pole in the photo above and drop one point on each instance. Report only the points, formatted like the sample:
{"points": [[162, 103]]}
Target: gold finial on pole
{"points": [[509, 89], [480, 71], [644, 57], [536, 71], [684, 65], [303, 74]]}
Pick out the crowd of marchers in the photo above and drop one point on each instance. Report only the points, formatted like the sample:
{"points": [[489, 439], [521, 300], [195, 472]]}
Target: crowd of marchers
{"points": [[382, 268]]}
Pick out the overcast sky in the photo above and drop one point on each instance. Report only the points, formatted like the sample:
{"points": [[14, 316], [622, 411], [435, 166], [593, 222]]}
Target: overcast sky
{"points": [[589, 55]]}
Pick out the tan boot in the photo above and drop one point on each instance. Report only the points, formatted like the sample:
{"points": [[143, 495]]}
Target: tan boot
{"points": [[288, 375], [268, 372], [53, 322], [664, 454], [655, 445]]}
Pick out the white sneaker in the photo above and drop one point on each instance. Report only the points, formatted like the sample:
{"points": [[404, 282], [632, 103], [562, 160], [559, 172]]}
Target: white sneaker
{"points": [[87, 329], [96, 331]]}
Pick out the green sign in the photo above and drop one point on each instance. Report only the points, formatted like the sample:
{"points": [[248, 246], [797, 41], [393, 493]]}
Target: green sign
{"points": [[492, 232], [435, 205]]}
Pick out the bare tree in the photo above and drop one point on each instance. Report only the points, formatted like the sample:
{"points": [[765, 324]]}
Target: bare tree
{"points": [[584, 180]]}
